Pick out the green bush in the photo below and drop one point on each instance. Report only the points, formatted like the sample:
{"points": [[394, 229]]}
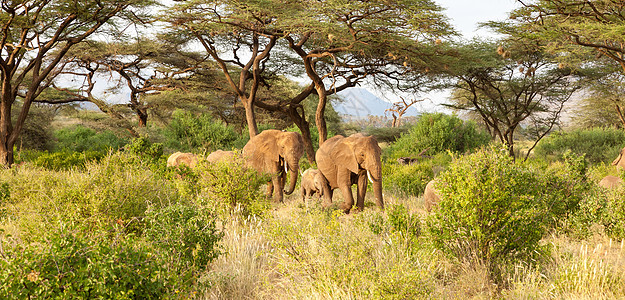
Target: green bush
{"points": [[439, 132], [411, 180], [118, 189], [66, 160], [190, 133], [598, 144], [231, 187], [186, 232], [79, 138], [407, 180], [602, 207], [72, 265], [491, 208]]}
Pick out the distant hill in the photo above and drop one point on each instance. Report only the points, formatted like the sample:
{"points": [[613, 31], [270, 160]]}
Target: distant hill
{"points": [[359, 103]]}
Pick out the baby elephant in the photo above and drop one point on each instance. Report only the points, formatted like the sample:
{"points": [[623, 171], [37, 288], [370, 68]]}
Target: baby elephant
{"points": [[312, 183]]}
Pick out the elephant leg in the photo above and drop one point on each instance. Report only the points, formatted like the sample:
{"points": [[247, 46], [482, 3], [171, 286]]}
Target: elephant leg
{"points": [[277, 186], [327, 196], [348, 198], [361, 189]]}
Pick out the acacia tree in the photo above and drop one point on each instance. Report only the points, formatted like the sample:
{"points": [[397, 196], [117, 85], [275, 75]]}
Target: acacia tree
{"points": [[335, 44], [34, 37], [581, 32], [510, 85]]}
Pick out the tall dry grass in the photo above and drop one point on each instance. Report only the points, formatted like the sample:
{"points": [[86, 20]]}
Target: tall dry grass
{"points": [[299, 251]]}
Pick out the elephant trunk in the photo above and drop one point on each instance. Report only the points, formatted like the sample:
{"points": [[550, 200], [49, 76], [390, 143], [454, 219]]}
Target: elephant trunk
{"points": [[375, 177], [293, 170]]}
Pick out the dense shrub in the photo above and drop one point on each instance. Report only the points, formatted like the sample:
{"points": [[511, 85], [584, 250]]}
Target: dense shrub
{"points": [[36, 133], [118, 189], [196, 133], [232, 187], [411, 180], [187, 233], [79, 138], [66, 160], [598, 144], [491, 208], [70, 264], [407, 180], [601, 207], [439, 132]]}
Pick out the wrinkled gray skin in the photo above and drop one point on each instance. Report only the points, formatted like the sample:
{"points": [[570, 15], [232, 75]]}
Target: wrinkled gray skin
{"points": [[312, 183], [430, 196], [274, 152], [182, 159], [220, 156], [345, 161]]}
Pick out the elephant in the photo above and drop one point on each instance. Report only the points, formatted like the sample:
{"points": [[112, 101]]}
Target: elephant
{"points": [[430, 196], [312, 183], [220, 156], [182, 159], [276, 152], [611, 182], [619, 161], [345, 161]]}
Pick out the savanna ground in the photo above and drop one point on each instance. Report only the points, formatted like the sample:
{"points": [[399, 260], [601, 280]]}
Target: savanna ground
{"points": [[77, 223]]}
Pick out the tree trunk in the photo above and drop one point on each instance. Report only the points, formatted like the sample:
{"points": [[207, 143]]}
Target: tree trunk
{"points": [[250, 117], [320, 120], [142, 114]]}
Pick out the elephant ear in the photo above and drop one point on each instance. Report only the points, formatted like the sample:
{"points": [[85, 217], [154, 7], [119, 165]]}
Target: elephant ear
{"points": [[343, 155]]}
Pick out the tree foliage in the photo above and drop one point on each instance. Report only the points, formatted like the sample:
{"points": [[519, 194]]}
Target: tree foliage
{"points": [[34, 37], [511, 84]]}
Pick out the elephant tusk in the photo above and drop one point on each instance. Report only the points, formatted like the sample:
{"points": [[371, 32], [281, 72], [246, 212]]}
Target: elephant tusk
{"points": [[285, 168], [369, 176]]}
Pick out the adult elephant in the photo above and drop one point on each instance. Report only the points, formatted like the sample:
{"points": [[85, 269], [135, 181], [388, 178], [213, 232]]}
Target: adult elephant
{"points": [[345, 161], [276, 152]]}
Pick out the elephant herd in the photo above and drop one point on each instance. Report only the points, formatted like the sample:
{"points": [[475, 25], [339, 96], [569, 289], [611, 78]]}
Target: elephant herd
{"points": [[342, 162]]}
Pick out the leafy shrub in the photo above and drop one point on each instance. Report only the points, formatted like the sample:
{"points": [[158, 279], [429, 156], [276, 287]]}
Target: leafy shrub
{"points": [[70, 264], [65, 160], [185, 232], [407, 180], [190, 133], [231, 186], [491, 208], [411, 180], [75, 263], [80, 139], [598, 144], [36, 133], [439, 132], [118, 189], [602, 207]]}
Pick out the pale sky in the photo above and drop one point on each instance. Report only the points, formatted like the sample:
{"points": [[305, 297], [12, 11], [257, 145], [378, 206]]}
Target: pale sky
{"points": [[466, 14]]}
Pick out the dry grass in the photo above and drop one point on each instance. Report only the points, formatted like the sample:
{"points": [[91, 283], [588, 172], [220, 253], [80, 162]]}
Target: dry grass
{"points": [[296, 254]]}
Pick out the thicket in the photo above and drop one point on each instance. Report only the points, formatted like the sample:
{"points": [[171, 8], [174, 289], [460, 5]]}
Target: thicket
{"points": [[598, 144], [188, 132], [125, 227], [498, 210], [410, 180], [438, 132]]}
